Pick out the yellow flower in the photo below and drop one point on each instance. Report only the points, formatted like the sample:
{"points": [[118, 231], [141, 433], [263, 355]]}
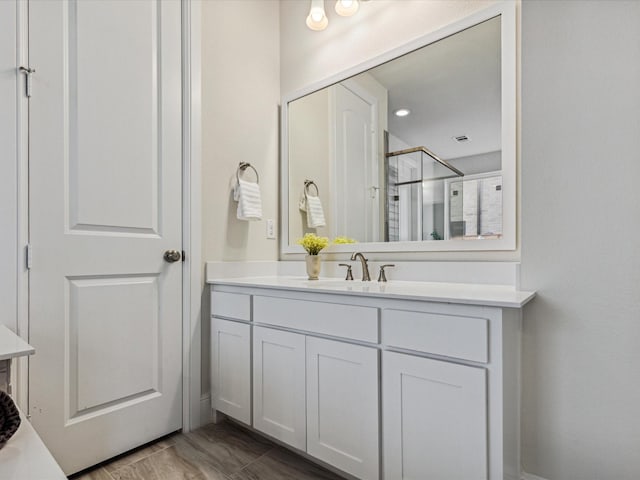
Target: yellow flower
{"points": [[343, 240], [313, 243]]}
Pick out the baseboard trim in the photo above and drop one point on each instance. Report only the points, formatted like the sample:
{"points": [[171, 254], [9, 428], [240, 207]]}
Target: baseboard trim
{"points": [[530, 476]]}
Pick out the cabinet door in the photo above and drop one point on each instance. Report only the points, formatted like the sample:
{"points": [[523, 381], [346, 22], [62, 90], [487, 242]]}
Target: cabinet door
{"points": [[278, 385], [342, 406], [434, 419], [231, 368]]}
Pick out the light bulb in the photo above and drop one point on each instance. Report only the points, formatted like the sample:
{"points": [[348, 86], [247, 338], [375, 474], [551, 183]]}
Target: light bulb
{"points": [[346, 8], [317, 19]]}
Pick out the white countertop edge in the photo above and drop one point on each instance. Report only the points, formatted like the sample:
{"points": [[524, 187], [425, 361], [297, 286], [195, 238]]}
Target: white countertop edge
{"points": [[460, 293], [12, 346]]}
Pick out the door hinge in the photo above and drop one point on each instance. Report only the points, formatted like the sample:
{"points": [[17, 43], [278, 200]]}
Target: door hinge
{"points": [[28, 256], [28, 71]]}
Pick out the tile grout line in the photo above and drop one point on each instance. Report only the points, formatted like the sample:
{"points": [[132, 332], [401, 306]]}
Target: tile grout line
{"points": [[254, 460], [136, 461]]}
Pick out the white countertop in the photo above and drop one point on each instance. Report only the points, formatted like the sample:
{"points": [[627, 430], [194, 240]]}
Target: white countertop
{"points": [[25, 457], [462, 293], [12, 346]]}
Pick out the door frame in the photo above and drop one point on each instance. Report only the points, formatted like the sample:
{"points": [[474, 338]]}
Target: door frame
{"points": [[193, 272], [193, 416]]}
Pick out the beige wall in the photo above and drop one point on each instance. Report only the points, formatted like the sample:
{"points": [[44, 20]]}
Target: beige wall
{"points": [[240, 98]]}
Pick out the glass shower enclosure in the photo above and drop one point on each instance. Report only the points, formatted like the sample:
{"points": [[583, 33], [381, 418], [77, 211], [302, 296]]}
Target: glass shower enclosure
{"points": [[430, 199], [417, 206]]}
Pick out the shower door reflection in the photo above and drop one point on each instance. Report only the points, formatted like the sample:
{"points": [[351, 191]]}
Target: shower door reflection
{"points": [[428, 199], [416, 200]]}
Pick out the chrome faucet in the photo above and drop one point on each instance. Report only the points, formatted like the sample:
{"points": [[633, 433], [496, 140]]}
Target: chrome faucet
{"points": [[365, 267]]}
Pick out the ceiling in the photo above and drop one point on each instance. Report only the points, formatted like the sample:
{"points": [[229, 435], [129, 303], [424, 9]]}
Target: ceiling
{"points": [[452, 88]]}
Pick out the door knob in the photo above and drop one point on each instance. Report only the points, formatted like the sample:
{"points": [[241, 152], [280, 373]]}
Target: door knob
{"points": [[172, 256]]}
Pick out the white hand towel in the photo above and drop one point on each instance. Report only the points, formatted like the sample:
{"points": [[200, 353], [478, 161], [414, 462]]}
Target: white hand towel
{"points": [[247, 194], [302, 203], [315, 214]]}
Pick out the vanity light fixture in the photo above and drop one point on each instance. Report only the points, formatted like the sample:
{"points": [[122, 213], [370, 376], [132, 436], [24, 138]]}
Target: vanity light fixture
{"points": [[402, 112], [317, 19], [346, 8]]}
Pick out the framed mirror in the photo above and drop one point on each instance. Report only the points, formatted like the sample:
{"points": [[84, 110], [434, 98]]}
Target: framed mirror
{"points": [[412, 151]]}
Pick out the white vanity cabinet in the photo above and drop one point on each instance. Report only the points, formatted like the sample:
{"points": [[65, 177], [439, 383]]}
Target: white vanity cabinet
{"points": [[342, 406], [319, 396], [327, 389], [376, 384], [450, 391], [279, 406], [435, 419], [231, 355]]}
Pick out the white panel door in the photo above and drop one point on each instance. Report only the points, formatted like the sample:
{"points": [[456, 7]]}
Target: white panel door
{"points": [[231, 368], [278, 385], [105, 182], [342, 406], [435, 419], [355, 167]]}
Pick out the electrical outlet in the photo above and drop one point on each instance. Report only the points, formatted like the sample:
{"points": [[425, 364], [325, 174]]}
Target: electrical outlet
{"points": [[271, 229]]}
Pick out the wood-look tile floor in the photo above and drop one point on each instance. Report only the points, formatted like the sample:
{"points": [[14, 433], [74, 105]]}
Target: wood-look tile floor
{"points": [[223, 451]]}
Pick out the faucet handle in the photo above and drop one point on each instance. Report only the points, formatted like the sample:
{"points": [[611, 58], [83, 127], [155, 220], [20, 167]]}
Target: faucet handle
{"points": [[381, 276], [349, 272]]}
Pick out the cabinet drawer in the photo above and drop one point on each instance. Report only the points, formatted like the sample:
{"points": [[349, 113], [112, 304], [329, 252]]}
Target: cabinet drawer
{"points": [[231, 305], [348, 321], [448, 335]]}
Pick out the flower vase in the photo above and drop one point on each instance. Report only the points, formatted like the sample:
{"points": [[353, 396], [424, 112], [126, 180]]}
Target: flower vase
{"points": [[313, 266]]}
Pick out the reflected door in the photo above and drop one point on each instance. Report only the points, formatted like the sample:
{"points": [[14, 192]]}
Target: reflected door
{"points": [[105, 181], [355, 168]]}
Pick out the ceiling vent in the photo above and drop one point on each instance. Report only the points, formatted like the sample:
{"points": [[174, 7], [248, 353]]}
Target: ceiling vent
{"points": [[462, 139]]}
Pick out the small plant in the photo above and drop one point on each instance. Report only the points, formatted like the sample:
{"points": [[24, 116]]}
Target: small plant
{"points": [[313, 243], [343, 240]]}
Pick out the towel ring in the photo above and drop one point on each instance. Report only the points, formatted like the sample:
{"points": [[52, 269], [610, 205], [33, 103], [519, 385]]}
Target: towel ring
{"points": [[243, 166], [307, 184]]}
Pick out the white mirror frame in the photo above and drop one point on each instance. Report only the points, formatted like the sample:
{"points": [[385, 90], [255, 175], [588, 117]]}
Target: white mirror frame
{"points": [[507, 12]]}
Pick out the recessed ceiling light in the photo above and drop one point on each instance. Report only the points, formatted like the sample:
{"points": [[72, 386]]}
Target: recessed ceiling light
{"points": [[461, 138], [402, 112]]}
